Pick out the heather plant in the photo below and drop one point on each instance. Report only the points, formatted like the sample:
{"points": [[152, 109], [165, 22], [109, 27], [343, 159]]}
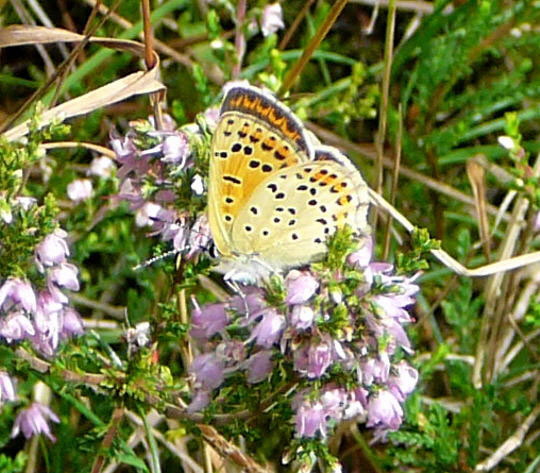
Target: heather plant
{"points": [[124, 347]]}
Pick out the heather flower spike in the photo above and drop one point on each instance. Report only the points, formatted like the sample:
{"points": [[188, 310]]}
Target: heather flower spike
{"points": [[357, 334]]}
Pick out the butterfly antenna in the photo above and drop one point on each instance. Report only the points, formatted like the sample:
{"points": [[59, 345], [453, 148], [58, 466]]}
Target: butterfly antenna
{"points": [[153, 260]]}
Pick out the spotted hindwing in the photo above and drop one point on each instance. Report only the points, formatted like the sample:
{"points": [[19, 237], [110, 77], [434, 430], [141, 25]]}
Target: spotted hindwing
{"points": [[256, 137], [289, 216]]}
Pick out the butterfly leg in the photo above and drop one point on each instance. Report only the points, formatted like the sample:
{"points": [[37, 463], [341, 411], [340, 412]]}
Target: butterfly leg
{"points": [[235, 287]]}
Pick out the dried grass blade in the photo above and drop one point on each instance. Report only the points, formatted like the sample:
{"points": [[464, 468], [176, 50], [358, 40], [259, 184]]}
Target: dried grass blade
{"points": [[20, 35], [487, 270], [134, 84]]}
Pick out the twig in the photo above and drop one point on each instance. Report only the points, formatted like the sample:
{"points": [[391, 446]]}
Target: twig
{"points": [[114, 311], [475, 172], [108, 439], [321, 33], [383, 109], [406, 5], [395, 181], [295, 24], [159, 45], [367, 152], [510, 444], [239, 38], [79, 144], [229, 450], [150, 59], [501, 266]]}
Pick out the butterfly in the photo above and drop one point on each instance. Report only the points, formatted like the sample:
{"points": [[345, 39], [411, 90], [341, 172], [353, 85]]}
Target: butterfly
{"points": [[274, 194]]}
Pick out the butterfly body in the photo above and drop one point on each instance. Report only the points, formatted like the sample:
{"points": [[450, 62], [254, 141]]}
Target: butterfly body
{"points": [[274, 198]]}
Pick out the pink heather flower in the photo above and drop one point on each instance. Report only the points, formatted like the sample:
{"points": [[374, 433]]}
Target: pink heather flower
{"points": [[268, 330], [65, 275], [34, 421], [310, 418], [26, 203], [44, 344], [334, 401], [211, 115], [403, 380], [138, 336], [249, 303], [147, 214], [376, 369], [301, 286], [175, 149], [384, 411], [232, 352], [197, 184], [361, 258], [302, 317], [259, 366], [199, 237], [130, 191], [48, 324], [208, 371], [393, 305], [506, 142], [16, 326], [313, 359], [7, 390], [52, 250], [272, 19], [79, 190], [72, 324], [536, 222], [208, 320], [102, 166], [16, 291], [123, 146], [56, 293], [48, 302], [199, 401], [356, 406]]}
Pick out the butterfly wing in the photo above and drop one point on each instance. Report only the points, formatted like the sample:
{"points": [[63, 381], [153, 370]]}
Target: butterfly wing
{"points": [[256, 136], [290, 215]]}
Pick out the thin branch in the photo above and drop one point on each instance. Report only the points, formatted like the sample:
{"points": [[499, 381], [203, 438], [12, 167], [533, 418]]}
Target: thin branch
{"points": [[510, 444], [383, 109], [117, 416], [295, 24], [367, 152], [395, 181], [321, 33], [239, 38]]}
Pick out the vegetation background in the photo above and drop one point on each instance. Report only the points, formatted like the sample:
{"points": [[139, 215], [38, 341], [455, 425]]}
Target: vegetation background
{"points": [[424, 89]]}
